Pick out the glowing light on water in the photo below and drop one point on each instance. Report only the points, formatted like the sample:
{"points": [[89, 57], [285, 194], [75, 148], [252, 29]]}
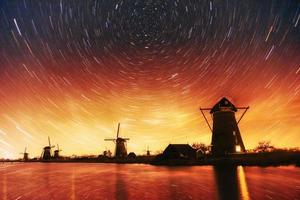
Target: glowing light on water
{"points": [[243, 183]]}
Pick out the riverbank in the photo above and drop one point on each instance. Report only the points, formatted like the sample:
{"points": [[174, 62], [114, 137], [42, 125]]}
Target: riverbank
{"points": [[246, 159]]}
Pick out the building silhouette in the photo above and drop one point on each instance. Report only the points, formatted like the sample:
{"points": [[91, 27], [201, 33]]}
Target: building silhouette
{"points": [[226, 136]]}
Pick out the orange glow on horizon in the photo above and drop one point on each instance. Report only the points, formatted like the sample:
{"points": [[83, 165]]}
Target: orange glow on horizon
{"points": [[79, 121], [74, 70]]}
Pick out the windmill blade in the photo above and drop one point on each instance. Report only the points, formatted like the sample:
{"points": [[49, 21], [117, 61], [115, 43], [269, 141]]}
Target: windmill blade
{"points": [[52, 146], [243, 107], [201, 109], [49, 141], [109, 139], [58, 148], [25, 149], [118, 130], [205, 108], [115, 149], [125, 138], [246, 108]]}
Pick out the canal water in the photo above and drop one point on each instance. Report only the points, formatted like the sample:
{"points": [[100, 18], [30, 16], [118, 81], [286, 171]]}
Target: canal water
{"points": [[136, 181]]}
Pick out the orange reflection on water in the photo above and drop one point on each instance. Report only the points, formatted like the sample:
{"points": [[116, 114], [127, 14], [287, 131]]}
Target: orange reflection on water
{"points": [[4, 187], [243, 183], [35, 181], [73, 186]]}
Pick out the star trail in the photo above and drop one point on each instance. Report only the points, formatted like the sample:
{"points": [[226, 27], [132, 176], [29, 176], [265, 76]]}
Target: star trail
{"points": [[72, 70]]}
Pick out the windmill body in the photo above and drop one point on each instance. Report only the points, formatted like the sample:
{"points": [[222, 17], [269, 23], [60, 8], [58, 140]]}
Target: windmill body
{"points": [[120, 149], [226, 136], [148, 152], [56, 152], [47, 151], [25, 155]]}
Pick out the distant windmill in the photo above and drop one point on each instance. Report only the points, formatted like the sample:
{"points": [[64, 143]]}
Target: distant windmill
{"points": [[25, 155], [56, 152], [121, 150], [148, 152], [226, 136], [47, 153]]}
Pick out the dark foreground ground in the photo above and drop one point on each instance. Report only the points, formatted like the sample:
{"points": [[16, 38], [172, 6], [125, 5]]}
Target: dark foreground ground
{"points": [[247, 159]]}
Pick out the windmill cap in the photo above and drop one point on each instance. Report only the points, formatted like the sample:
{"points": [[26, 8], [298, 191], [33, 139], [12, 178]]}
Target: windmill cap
{"points": [[223, 104]]}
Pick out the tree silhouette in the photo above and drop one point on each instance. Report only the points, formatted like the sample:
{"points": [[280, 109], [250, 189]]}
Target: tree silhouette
{"points": [[201, 146], [264, 146]]}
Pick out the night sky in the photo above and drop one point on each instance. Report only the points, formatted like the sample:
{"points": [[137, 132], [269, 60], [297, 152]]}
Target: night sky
{"points": [[72, 70]]}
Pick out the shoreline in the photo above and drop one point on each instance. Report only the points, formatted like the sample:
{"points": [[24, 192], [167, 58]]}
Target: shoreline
{"points": [[247, 159]]}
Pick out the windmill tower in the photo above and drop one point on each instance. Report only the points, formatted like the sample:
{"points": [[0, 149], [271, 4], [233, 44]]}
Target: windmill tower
{"points": [[47, 153], [25, 155], [148, 152], [226, 136], [56, 152], [121, 150]]}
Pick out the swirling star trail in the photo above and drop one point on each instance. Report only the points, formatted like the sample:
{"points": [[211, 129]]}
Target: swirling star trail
{"points": [[74, 69]]}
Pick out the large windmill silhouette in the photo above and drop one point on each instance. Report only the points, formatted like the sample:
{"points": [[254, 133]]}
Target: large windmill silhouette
{"points": [[47, 152], [25, 154], [121, 148], [56, 152], [226, 136]]}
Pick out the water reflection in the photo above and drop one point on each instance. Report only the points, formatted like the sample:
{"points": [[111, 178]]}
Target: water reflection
{"points": [[118, 182], [243, 183], [121, 192], [4, 187], [231, 182], [73, 194], [172, 185]]}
